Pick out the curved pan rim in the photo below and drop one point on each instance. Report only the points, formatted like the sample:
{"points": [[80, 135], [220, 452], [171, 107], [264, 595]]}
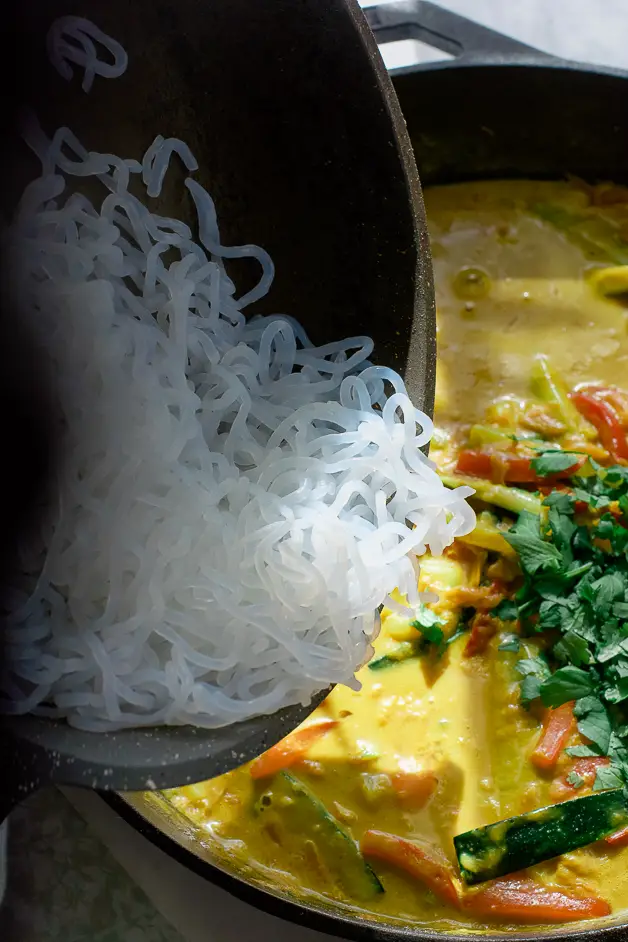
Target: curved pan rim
{"points": [[335, 922]]}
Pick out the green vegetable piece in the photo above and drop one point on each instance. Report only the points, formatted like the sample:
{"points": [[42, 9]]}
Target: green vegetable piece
{"points": [[547, 385], [510, 643], [572, 648], [528, 839], [506, 610], [594, 722], [567, 683], [551, 462], [595, 234], [574, 779], [480, 435], [535, 672], [305, 816], [427, 624], [608, 777], [401, 653], [535, 553], [509, 498]]}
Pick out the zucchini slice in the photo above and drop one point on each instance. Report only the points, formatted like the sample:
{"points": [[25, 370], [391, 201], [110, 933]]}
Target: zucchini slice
{"points": [[305, 816], [402, 652], [528, 839]]}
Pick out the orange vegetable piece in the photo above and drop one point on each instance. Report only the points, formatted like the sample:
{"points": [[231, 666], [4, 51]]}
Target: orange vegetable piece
{"points": [[603, 416], [429, 869], [414, 788], [483, 628], [526, 901], [562, 789], [618, 839], [558, 727], [286, 752], [481, 597]]}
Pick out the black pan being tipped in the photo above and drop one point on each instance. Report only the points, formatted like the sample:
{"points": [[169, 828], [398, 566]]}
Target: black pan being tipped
{"points": [[292, 116]]}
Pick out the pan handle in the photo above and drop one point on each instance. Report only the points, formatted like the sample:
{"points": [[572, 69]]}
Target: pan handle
{"points": [[444, 30]]}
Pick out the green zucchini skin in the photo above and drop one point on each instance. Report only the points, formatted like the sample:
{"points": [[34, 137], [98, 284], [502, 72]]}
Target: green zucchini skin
{"points": [[401, 653], [529, 839], [305, 815]]}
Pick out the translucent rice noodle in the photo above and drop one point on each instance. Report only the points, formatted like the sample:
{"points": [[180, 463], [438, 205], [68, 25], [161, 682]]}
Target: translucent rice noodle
{"points": [[73, 39], [235, 503]]}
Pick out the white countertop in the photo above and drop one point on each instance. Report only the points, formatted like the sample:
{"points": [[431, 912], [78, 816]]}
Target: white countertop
{"points": [[80, 873]]}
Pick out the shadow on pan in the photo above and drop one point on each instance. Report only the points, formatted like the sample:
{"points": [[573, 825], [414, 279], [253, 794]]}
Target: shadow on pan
{"points": [[499, 109], [299, 138]]}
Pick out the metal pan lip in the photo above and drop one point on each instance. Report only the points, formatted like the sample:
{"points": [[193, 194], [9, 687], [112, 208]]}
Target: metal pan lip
{"points": [[496, 60]]}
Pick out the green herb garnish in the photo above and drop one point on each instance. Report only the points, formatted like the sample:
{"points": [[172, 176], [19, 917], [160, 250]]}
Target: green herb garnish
{"points": [[575, 591]]}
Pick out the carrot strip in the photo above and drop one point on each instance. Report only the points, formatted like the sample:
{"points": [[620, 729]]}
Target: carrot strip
{"points": [[562, 789], [414, 788], [286, 752], [435, 874], [558, 727], [505, 468], [526, 901], [618, 839]]}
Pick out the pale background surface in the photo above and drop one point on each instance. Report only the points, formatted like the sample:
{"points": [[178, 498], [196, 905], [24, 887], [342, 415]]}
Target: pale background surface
{"points": [[86, 876]]}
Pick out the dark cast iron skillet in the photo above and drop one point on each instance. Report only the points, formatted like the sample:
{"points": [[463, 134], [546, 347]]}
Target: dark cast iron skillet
{"points": [[293, 118], [498, 109]]}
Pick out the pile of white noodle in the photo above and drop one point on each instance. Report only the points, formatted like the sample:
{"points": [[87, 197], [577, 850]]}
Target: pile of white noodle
{"points": [[235, 503]]}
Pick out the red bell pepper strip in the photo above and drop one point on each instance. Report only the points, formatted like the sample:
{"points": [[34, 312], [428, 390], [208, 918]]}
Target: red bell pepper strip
{"points": [[604, 418], [557, 729], [562, 789], [525, 901], [435, 874], [618, 839], [501, 467]]}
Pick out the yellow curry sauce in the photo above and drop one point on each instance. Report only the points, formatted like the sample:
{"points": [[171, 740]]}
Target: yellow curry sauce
{"points": [[435, 745]]}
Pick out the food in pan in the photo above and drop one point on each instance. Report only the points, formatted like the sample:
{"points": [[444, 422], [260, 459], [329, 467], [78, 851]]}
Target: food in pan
{"points": [[479, 776]]}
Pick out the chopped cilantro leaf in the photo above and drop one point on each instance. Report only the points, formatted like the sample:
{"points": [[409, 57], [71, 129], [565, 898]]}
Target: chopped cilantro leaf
{"points": [[618, 692], [560, 501], [551, 462], [594, 722], [431, 633], [530, 689], [536, 554], [425, 617], [506, 610], [608, 777], [574, 779], [427, 624], [567, 683], [573, 648], [594, 501], [535, 672], [574, 595], [582, 752]]}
